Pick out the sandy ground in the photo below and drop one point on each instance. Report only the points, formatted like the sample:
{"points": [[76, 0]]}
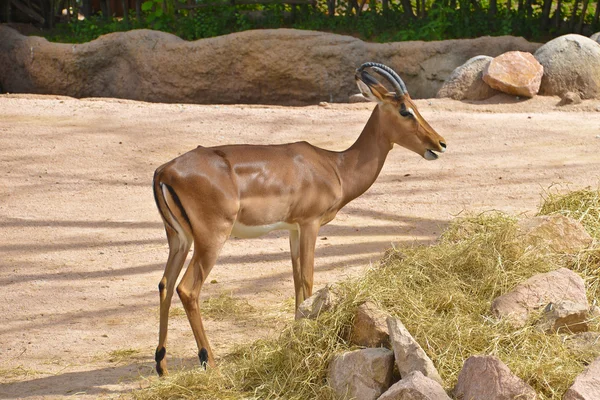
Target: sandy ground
{"points": [[82, 247]]}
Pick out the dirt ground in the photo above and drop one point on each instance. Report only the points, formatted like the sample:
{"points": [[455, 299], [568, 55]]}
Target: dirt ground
{"points": [[82, 247]]}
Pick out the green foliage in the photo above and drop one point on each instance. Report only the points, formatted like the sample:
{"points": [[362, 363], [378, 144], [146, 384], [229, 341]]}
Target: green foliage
{"points": [[438, 20]]}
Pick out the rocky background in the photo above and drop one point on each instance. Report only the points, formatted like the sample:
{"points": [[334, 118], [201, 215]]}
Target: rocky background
{"points": [[284, 66]]}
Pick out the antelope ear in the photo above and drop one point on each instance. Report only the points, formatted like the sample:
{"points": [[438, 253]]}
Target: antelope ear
{"points": [[370, 88]]}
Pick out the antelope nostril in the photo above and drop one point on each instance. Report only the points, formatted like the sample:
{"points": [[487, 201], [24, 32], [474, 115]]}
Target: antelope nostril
{"points": [[443, 145]]}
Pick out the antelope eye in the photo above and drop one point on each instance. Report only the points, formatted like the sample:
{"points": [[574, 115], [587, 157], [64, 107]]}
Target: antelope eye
{"points": [[406, 112]]}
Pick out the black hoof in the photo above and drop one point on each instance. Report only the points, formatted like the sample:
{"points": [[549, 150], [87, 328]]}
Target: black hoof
{"points": [[203, 356], [158, 357]]}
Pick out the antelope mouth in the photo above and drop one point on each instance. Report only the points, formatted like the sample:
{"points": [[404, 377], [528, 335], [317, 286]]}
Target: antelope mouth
{"points": [[430, 155]]}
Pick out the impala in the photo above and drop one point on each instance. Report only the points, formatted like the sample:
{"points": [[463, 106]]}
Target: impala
{"points": [[209, 194]]}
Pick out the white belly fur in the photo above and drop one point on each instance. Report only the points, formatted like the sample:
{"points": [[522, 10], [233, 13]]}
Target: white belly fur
{"points": [[251, 231]]}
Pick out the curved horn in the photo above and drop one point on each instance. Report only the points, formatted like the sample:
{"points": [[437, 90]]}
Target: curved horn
{"points": [[387, 73]]}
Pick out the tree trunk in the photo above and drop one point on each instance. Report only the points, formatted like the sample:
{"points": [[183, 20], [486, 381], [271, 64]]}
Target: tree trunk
{"points": [[520, 7], [558, 15], [582, 18], [4, 10], [546, 14], [493, 10], [86, 8], [385, 6], [138, 10], [360, 7], [508, 5], [573, 16], [408, 10], [331, 8], [597, 14], [125, 5], [352, 4]]}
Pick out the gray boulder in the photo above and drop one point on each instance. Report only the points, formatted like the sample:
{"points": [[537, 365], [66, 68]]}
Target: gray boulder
{"points": [[565, 317], [408, 353], [536, 292], [571, 64], [322, 300], [361, 374], [555, 233], [369, 328], [466, 83], [415, 386], [596, 37], [569, 98], [488, 378]]}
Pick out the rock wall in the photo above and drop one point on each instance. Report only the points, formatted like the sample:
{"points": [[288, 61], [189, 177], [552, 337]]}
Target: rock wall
{"points": [[283, 66]]}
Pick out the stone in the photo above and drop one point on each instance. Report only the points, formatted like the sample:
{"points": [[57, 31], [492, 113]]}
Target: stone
{"points": [[565, 317], [571, 64], [555, 232], [369, 328], [584, 342], [415, 386], [536, 292], [408, 353], [586, 385], [321, 301], [515, 72], [488, 378], [596, 37], [358, 98], [569, 98], [361, 374], [266, 66], [466, 81]]}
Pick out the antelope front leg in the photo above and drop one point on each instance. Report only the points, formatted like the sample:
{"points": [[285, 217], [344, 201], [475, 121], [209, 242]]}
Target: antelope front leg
{"points": [[302, 246]]}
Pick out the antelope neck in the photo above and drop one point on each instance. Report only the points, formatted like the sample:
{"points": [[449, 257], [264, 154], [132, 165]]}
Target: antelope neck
{"points": [[361, 163]]}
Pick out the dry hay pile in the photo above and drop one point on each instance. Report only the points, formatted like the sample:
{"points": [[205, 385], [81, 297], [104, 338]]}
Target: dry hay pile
{"points": [[442, 293]]}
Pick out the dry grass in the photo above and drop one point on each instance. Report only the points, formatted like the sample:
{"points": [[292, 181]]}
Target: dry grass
{"points": [[20, 372], [442, 293], [225, 306], [119, 356], [222, 306], [582, 205]]}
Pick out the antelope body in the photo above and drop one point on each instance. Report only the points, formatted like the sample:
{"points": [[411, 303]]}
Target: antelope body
{"points": [[209, 194]]}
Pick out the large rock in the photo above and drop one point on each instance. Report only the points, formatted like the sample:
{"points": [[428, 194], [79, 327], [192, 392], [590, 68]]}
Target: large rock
{"points": [[555, 232], [408, 353], [369, 328], [466, 82], [587, 384], [415, 386], [361, 374], [536, 292], [565, 317], [488, 378], [514, 72], [283, 66], [596, 37], [571, 64], [321, 301]]}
